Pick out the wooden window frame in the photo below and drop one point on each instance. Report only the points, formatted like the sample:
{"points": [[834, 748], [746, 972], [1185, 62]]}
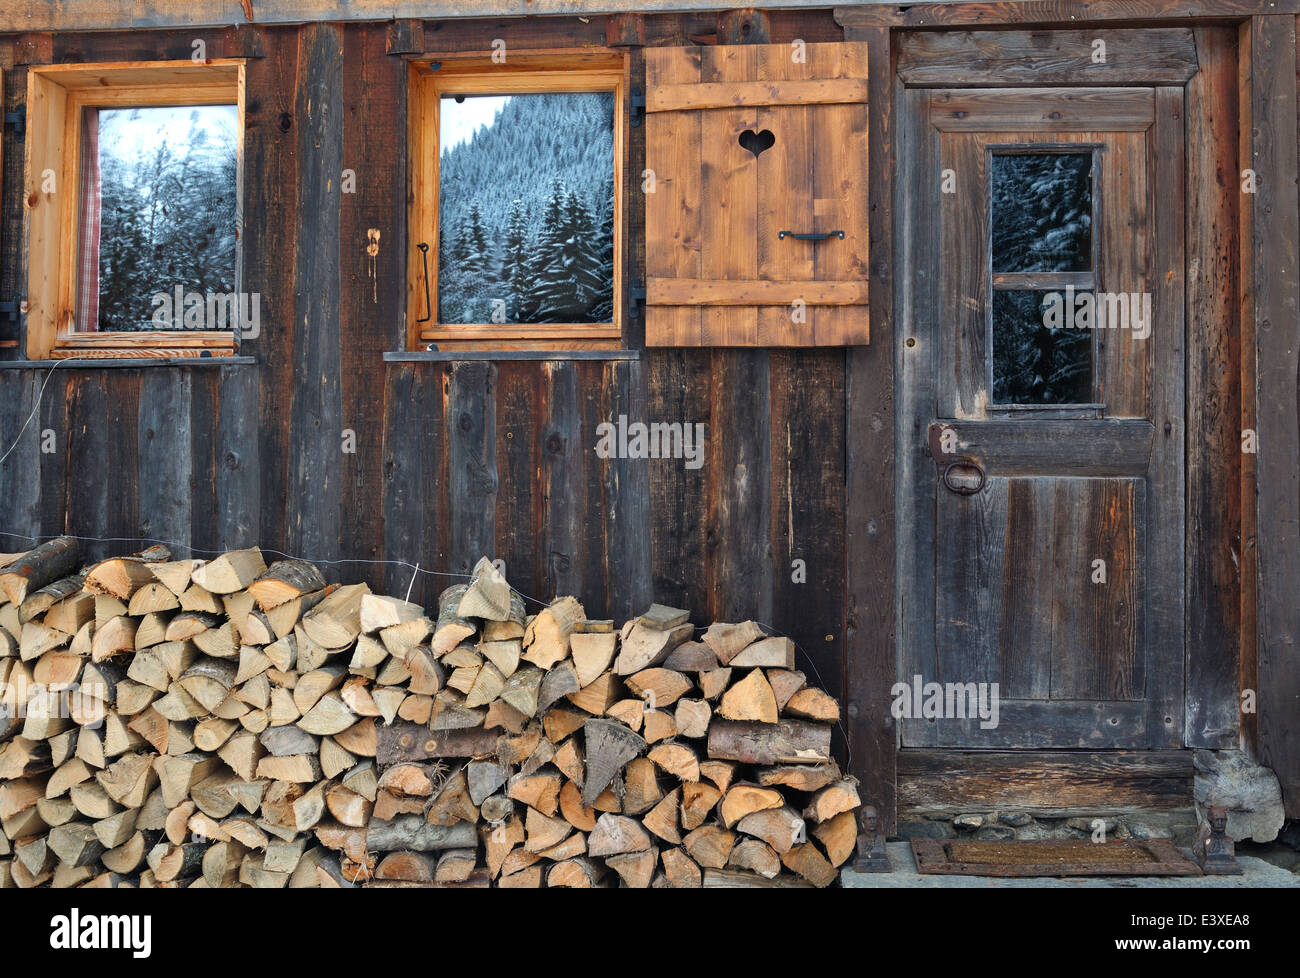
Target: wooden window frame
{"points": [[56, 95], [524, 73]]}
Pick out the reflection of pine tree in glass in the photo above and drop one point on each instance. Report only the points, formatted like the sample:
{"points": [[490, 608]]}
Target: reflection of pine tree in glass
{"points": [[540, 180], [1033, 364], [1042, 212], [167, 217], [515, 263]]}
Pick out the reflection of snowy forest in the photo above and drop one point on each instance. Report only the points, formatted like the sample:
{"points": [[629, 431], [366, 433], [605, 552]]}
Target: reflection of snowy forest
{"points": [[1041, 222], [526, 213], [1042, 212], [167, 213]]}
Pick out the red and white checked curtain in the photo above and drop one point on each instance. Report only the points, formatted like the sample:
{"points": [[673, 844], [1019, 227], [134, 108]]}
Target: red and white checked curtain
{"points": [[89, 198]]}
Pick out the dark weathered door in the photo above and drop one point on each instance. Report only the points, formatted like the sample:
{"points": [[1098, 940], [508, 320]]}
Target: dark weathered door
{"points": [[1042, 410]]}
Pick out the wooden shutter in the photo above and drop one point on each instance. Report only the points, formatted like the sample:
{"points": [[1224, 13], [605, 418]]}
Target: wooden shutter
{"points": [[718, 270]]}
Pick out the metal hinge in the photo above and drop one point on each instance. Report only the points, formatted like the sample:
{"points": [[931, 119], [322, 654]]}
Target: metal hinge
{"points": [[18, 119], [638, 107]]}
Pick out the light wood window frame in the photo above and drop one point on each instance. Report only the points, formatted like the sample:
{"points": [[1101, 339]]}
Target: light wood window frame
{"points": [[431, 78], [56, 95]]}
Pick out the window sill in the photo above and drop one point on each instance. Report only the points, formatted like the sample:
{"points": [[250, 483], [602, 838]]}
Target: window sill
{"points": [[97, 363]]}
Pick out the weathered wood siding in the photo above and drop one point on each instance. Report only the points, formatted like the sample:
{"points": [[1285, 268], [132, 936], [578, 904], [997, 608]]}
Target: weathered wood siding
{"points": [[452, 459]]}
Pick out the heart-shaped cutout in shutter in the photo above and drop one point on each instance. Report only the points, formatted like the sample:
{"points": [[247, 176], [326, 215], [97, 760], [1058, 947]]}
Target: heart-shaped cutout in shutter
{"points": [[757, 142]]}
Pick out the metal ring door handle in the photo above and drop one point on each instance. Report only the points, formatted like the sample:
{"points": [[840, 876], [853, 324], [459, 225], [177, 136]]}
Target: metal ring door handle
{"points": [[964, 484]]}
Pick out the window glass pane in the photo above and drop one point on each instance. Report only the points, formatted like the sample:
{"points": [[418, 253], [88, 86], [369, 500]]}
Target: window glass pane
{"points": [[157, 214], [526, 208], [1034, 363], [1042, 212]]}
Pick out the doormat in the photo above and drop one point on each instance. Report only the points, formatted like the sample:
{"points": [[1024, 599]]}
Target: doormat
{"points": [[1052, 857]]}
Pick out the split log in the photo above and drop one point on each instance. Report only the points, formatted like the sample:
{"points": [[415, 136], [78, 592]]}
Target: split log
{"points": [[35, 569], [615, 834], [645, 647], [750, 699], [285, 580], [609, 746], [727, 641], [230, 572]]}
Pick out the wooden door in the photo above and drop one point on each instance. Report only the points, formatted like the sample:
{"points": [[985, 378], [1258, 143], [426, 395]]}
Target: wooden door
{"points": [[1043, 447]]}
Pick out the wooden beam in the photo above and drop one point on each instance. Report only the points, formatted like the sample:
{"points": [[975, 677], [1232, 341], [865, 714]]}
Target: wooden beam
{"points": [[1162, 56], [724, 95], [725, 292], [316, 422], [1048, 782], [1046, 13], [1215, 562], [1276, 291], [870, 638], [106, 15]]}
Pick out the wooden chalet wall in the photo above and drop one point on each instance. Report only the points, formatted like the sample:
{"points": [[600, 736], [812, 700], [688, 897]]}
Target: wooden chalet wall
{"points": [[458, 458], [453, 459]]}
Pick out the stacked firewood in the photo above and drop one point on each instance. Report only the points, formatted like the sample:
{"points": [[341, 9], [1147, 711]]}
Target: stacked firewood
{"points": [[225, 723]]}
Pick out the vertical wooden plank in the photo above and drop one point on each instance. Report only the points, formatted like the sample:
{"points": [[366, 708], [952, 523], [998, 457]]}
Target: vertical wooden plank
{"points": [[739, 453], [963, 340], [627, 501], [20, 472], [1249, 558], [1214, 458], [807, 511], [1116, 608], [1081, 532], [405, 421], [54, 418], [679, 386], [563, 491], [203, 412], [1025, 647], [373, 217], [433, 383], [673, 209], [1276, 286], [784, 198], [916, 263], [469, 413], [271, 181], [315, 434], [413, 501], [1124, 363], [240, 502], [729, 217], [164, 458], [1164, 589], [968, 582], [844, 197], [117, 428], [87, 514], [593, 544], [871, 428], [519, 451]]}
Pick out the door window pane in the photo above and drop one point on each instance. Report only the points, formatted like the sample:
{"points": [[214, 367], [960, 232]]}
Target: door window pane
{"points": [[1042, 212], [526, 208], [1034, 363]]}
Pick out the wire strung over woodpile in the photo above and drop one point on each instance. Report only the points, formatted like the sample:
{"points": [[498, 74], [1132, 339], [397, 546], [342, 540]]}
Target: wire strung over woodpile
{"points": [[224, 723]]}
